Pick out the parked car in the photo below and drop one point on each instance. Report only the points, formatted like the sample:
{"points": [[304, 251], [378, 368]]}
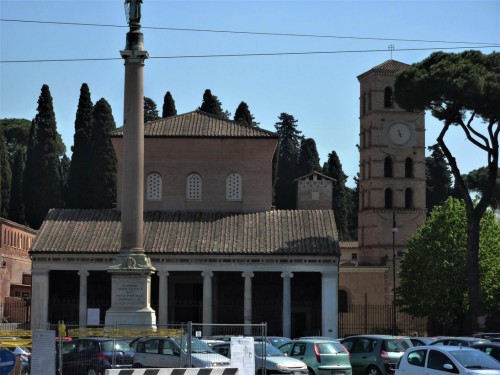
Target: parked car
{"points": [[490, 348], [375, 354], [277, 341], [322, 356], [94, 355], [457, 341], [419, 341], [436, 360], [269, 357], [173, 352]]}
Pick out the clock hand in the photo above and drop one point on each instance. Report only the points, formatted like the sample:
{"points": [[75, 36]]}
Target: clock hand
{"points": [[399, 132]]}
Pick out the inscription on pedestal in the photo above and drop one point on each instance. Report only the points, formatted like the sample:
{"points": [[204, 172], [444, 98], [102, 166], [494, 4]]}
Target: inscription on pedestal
{"points": [[128, 293]]}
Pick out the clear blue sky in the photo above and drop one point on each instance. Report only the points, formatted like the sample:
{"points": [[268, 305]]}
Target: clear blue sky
{"points": [[320, 90]]}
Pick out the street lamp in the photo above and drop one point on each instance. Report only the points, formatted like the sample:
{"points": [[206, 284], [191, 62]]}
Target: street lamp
{"points": [[394, 231]]}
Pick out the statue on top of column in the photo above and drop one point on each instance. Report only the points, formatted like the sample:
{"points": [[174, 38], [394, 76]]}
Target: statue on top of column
{"points": [[133, 11]]}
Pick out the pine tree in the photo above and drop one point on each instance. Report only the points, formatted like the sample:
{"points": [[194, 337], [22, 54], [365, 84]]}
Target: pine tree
{"points": [[289, 138], [45, 175], [211, 104], [103, 183], [308, 160], [16, 208], [5, 177], [243, 115], [79, 171], [341, 201], [150, 110], [168, 106], [438, 178]]}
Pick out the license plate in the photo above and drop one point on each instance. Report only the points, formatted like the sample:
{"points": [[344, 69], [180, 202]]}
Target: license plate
{"points": [[338, 373], [297, 373]]}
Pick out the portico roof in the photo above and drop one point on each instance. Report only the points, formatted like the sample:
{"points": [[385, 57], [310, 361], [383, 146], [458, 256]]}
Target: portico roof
{"points": [[278, 232]]}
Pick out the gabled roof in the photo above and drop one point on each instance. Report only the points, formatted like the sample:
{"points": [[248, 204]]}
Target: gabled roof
{"points": [[388, 67], [321, 175], [280, 232], [199, 124]]}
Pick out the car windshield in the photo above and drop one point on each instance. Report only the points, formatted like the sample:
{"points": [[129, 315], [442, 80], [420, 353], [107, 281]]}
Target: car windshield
{"points": [[475, 359], [329, 347], [121, 346], [396, 345], [270, 350], [197, 346]]}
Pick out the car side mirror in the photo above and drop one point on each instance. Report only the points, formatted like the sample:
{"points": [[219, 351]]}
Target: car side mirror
{"points": [[448, 367], [177, 352]]}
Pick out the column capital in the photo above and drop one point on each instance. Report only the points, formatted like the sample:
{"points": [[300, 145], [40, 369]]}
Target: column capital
{"points": [[163, 273], [247, 274], [207, 274], [287, 274], [84, 273]]}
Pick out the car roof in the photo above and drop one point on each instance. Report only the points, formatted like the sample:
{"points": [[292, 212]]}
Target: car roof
{"points": [[493, 344], [378, 337], [313, 340], [445, 348]]}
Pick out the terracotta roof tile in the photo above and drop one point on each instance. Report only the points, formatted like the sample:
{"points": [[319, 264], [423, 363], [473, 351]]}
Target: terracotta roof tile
{"points": [[387, 67], [199, 124], [280, 232]]}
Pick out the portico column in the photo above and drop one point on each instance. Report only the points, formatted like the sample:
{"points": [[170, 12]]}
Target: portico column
{"points": [[287, 304], [163, 298], [329, 304], [247, 301], [82, 315], [207, 301], [39, 299]]}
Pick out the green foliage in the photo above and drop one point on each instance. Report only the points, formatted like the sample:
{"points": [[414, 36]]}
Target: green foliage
{"points": [[16, 208], [102, 179], [16, 132], [433, 270], [243, 115], [477, 180], [168, 106], [308, 159], [150, 110], [76, 192], [438, 178], [5, 177], [211, 104]]}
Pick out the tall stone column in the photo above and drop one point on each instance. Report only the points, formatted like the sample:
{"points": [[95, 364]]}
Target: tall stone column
{"points": [[247, 301], [39, 299], [163, 298], [329, 304], [82, 311], [287, 304], [207, 301], [131, 275]]}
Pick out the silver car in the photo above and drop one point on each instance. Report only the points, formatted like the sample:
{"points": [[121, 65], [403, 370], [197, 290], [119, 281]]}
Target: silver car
{"points": [[173, 352]]}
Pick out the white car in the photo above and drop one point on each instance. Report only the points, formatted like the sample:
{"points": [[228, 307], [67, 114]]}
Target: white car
{"points": [[172, 352], [441, 360]]}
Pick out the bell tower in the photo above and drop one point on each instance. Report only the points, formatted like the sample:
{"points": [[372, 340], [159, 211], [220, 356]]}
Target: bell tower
{"points": [[392, 168]]}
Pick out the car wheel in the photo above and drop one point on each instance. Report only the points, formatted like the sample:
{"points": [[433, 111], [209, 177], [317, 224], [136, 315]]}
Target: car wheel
{"points": [[92, 371], [373, 370], [311, 372]]}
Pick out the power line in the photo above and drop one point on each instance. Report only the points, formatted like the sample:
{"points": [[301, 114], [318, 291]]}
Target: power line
{"points": [[245, 32], [264, 54]]}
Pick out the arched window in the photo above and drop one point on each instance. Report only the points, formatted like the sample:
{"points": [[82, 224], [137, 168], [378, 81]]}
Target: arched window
{"points": [[193, 187], [388, 97], [153, 187], [388, 198], [409, 168], [343, 301], [387, 167], [363, 103], [408, 198], [233, 187]]}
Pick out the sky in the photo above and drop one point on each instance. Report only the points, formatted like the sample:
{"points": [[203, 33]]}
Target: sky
{"points": [[299, 57]]}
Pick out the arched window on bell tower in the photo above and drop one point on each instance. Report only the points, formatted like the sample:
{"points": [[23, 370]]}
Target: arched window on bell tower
{"points": [[408, 198], [388, 198], [387, 167], [409, 168], [388, 97]]}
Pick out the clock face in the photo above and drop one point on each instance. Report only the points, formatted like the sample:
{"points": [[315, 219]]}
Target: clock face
{"points": [[399, 133]]}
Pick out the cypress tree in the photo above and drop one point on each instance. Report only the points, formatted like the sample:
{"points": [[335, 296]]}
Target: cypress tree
{"points": [[16, 208], [211, 104], [308, 160], [150, 110], [28, 173], [289, 138], [340, 194], [45, 178], [79, 171], [438, 181], [5, 177], [243, 115], [168, 106], [103, 183]]}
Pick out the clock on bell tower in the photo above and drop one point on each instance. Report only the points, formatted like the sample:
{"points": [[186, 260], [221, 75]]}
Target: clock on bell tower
{"points": [[392, 167]]}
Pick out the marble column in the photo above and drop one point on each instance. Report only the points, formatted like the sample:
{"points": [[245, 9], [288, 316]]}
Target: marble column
{"points": [[287, 304], [82, 312], [329, 304], [247, 302], [39, 299], [207, 301], [163, 298]]}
